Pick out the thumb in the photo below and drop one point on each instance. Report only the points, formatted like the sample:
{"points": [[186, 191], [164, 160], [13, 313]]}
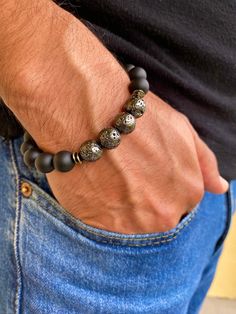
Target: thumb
{"points": [[213, 182]]}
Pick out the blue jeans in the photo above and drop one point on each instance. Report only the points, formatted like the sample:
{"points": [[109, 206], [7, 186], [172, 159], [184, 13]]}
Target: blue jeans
{"points": [[53, 263]]}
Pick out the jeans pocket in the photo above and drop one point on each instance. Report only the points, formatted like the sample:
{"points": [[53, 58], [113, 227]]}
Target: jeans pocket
{"points": [[49, 204], [229, 212], [70, 267]]}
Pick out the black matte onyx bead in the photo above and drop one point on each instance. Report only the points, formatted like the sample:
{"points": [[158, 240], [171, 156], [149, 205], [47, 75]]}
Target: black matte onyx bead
{"points": [[27, 137], [129, 67], [25, 146], [30, 156], [139, 83], [44, 163], [137, 72], [90, 151], [109, 138], [125, 122], [63, 161]]}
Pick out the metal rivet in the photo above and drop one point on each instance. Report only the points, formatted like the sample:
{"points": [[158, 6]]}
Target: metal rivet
{"points": [[26, 189]]}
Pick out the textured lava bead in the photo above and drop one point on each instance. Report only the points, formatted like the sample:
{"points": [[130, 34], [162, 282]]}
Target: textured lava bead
{"points": [[109, 138], [44, 163], [63, 161], [125, 122], [137, 72], [30, 156], [138, 93], [136, 107], [25, 146], [90, 150], [139, 83]]}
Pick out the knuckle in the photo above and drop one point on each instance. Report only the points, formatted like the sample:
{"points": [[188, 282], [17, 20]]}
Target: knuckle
{"points": [[213, 157], [184, 117], [188, 123], [170, 219], [197, 193]]}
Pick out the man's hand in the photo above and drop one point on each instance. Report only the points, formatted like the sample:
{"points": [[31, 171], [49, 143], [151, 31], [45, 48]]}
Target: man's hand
{"points": [[64, 87]]}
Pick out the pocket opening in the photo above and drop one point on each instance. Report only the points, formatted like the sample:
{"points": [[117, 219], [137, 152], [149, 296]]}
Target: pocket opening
{"points": [[51, 206]]}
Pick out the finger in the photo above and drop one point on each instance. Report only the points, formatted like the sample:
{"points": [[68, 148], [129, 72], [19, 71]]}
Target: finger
{"points": [[213, 182]]}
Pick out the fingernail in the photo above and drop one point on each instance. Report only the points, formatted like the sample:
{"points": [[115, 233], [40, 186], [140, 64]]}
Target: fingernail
{"points": [[224, 183]]}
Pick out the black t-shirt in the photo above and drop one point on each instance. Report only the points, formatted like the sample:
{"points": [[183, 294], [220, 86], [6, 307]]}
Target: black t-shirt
{"points": [[188, 49]]}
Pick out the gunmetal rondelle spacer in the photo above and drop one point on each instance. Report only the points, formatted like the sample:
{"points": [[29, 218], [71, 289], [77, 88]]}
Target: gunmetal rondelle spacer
{"points": [[125, 122], [76, 157], [136, 107], [90, 150], [109, 138]]}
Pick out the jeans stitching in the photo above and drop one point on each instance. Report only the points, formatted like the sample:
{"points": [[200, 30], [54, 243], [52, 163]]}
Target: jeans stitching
{"points": [[169, 237], [16, 229]]}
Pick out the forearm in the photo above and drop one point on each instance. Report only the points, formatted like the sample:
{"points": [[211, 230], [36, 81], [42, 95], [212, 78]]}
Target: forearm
{"points": [[19, 19], [59, 60], [16, 17], [28, 25]]}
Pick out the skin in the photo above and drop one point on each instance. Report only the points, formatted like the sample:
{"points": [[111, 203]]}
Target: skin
{"points": [[64, 86]]}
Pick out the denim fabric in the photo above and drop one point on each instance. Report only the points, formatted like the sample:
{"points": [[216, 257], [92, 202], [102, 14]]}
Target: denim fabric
{"points": [[53, 263]]}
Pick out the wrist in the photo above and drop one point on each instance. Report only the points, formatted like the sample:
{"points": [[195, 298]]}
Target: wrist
{"points": [[68, 87], [84, 112]]}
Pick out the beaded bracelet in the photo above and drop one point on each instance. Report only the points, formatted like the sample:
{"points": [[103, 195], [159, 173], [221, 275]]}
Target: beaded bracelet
{"points": [[108, 138]]}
